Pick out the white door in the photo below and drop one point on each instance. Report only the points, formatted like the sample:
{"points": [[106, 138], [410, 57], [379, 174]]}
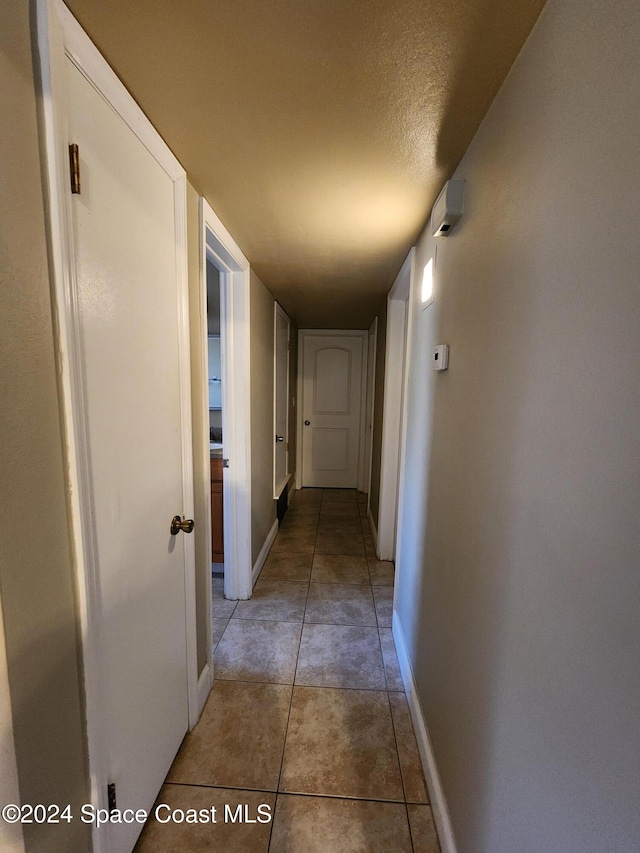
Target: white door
{"points": [[393, 427], [281, 400], [371, 385], [126, 268], [331, 409]]}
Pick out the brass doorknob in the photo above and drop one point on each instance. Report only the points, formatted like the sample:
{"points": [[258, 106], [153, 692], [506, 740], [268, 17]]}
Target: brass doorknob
{"points": [[178, 524]]}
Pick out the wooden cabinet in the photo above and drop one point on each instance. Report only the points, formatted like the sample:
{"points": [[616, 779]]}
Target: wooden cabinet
{"points": [[217, 533]]}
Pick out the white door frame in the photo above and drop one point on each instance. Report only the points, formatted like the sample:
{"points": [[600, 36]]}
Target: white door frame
{"points": [[221, 249], [394, 407], [59, 36], [372, 349], [352, 333], [279, 310]]}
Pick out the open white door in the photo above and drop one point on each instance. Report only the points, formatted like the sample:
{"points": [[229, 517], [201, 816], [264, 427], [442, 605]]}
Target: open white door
{"points": [[372, 347], [331, 410], [219, 247], [394, 406], [122, 300], [282, 331]]}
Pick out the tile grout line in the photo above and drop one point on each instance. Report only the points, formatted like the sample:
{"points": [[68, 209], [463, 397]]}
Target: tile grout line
{"points": [[404, 790], [286, 728], [291, 794], [315, 686], [286, 732], [386, 680], [367, 585], [406, 808], [393, 725], [395, 737]]}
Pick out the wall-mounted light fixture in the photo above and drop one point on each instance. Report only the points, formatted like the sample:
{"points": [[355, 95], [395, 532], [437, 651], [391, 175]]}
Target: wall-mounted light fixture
{"points": [[426, 293]]}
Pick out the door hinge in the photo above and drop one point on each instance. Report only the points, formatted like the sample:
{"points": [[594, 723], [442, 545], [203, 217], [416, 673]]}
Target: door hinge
{"points": [[74, 168], [287, 445], [111, 796], [225, 463]]}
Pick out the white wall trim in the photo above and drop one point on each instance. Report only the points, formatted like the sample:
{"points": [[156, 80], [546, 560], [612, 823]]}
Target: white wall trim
{"points": [[398, 304], [264, 552], [373, 528], [436, 793], [235, 287], [79, 47], [59, 35], [205, 683]]}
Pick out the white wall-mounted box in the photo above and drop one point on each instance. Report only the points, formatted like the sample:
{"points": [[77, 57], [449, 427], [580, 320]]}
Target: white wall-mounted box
{"points": [[440, 357], [448, 208]]}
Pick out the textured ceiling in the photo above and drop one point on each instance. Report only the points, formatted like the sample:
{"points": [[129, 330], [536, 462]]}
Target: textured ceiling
{"points": [[319, 130]]}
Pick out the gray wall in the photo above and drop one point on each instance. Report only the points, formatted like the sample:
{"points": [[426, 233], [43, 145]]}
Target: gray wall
{"points": [[263, 507], [378, 400], [519, 580], [36, 576]]}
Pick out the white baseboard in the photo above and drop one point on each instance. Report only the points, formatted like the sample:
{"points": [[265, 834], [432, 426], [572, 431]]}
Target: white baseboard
{"points": [[264, 553], [374, 529], [205, 683], [436, 794]]}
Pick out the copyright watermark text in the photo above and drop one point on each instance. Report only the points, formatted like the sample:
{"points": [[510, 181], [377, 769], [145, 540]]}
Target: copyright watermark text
{"points": [[239, 813]]}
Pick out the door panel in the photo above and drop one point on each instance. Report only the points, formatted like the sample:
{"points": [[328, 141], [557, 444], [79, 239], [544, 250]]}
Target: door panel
{"points": [[330, 449], [124, 233], [332, 395], [281, 407], [332, 381]]}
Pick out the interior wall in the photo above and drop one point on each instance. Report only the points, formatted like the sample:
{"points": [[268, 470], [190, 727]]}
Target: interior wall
{"points": [[518, 589], [263, 506], [37, 579], [378, 402], [11, 836]]}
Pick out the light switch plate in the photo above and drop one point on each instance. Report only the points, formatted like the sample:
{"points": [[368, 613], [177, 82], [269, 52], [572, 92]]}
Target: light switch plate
{"points": [[440, 358]]}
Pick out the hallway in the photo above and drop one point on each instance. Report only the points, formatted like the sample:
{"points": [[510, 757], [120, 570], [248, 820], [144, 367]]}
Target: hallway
{"points": [[308, 714]]}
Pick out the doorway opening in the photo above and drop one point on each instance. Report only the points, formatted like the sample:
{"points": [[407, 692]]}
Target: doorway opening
{"points": [[214, 379], [281, 362], [226, 416], [394, 414]]}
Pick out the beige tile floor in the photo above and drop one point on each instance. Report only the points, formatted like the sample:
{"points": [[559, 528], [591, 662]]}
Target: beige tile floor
{"points": [[308, 714]]}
